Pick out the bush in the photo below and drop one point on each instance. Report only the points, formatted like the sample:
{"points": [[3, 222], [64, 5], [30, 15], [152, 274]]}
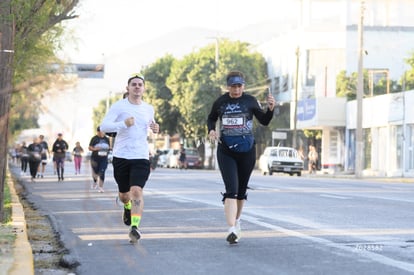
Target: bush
{"points": [[7, 207]]}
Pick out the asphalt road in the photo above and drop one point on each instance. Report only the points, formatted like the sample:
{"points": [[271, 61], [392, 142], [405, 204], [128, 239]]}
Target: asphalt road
{"points": [[291, 225]]}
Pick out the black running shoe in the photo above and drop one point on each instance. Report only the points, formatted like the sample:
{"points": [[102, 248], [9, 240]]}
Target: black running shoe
{"points": [[127, 216], [232, 238], [134, 235]]}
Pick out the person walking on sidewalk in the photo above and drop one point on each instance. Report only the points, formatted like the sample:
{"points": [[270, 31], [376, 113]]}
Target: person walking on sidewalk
{"points": [[99, 146], [236, 152], [182, 159], [313, 159], [77, 157], [34, 150], [131, 118], [59, 148], [24, 158]]}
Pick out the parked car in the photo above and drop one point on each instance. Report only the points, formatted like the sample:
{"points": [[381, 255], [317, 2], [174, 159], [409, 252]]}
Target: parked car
{"points": [[280, 160], [193, 158], [172, 158], [162, 158]]}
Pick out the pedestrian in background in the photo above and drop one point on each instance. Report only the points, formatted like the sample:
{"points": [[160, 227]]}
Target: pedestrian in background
{"points": [[236, 152], [45, 155], [77, 157], [313, 159], [35, 157], [59, 148], [131, 118], [99, 146], [182, 159], [14, 154], [301, 154], [24, 158]]}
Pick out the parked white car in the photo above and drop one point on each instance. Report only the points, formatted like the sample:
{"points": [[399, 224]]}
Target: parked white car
{"points": [[280, 160], [172, 158], [162, 158]]}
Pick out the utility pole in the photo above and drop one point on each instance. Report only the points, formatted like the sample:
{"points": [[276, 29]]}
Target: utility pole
{"points": [[359, 150], [212, 160], [295, 103]]}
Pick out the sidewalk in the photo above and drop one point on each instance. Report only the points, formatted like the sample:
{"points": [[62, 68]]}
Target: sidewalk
{"points": [[22, 262]]}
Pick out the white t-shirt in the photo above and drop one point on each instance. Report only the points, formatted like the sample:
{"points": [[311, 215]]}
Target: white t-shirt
{"points": [[130, 142]]}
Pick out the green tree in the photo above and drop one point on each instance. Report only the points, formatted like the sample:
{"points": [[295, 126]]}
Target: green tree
{"points": [[407, 80], [37, 36], [29, 32], [196, 81], [346, 86], [98, 113], [159, 94]]}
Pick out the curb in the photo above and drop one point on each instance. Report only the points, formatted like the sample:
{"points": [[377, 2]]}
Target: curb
{"points": [[22, 251]]}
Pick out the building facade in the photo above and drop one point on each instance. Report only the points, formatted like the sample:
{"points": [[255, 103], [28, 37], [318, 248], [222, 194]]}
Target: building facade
{"points": [[303, 65]]}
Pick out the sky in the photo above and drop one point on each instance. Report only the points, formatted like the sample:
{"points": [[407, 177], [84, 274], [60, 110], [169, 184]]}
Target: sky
{"points": [[105, 27], [107, 30]]}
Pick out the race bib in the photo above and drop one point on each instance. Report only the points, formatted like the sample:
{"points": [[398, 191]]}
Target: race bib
{"points": [[36, 156], [235, 121], [102, 153]]}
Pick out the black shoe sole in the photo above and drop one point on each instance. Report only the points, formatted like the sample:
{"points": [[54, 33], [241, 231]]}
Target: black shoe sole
{"points": [[134, 236]]}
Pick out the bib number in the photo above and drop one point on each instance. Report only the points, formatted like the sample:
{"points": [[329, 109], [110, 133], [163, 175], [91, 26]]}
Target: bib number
{"points": [[232, 121], [102, 153]]}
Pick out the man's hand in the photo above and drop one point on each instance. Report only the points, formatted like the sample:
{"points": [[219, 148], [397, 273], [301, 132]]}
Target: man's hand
{"points": [[155, 127], [129, 121]]}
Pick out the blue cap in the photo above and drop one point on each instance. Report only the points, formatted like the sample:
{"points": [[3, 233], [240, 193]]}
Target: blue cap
{"points": [[235, 80]]}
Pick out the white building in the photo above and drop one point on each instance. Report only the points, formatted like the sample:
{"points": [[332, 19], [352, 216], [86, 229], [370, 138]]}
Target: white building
{"points": [[388, 126], [325, 43]]}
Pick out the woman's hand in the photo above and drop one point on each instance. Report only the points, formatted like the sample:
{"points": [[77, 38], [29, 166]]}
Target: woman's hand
{"points": [[271, 102], [212, 136]]}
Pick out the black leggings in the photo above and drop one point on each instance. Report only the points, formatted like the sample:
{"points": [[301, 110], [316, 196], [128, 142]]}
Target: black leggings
{"points": [[24, 161], [99, 166], [33, 166], [235, 169]]}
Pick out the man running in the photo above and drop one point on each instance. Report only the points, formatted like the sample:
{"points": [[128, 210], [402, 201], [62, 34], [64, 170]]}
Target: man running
{"points": [[131, 118]]}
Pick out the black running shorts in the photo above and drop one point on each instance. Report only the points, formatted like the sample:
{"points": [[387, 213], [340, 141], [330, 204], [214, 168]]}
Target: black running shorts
{"points": [[130, 172]]}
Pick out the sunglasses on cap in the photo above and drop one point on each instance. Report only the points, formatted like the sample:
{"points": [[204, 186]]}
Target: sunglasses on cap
{"points": [[136, 75], [236, 85]]}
